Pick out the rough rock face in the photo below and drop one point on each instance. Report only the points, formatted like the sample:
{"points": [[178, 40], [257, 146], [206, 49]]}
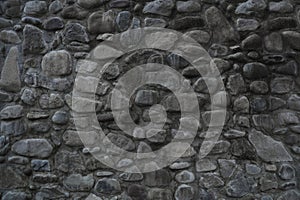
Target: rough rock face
{"points": [[44, 44]]}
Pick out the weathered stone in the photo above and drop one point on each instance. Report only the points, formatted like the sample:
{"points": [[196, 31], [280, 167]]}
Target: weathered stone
{"points": [[74, 12], [188, 6], [258, 104], [205, 165], [108, 186], [10, 75], [161, 40], [238, 187], [290, 68], [158, 178], [275, 103], [236, 84], [67, 161], [55, 7], [247, 24], [18, 160], [210, 180], [232, 134], [252, 42], [292, 38], [227, 167], [11, 112], [281, 23], [13, 195], [259, 87], [286, 172], [160, 194], [294, 102], [186, 22], [89, 4], [119, 3], [255, 70], [15, 128], [242, 149], [123, 20], [57, 63], [11, 178], [101, 22], [4, 23], [290, 195], [35, 8], [155, 22], [40, 165], [8, 36], [267, 148], [40, 148], [29, 96], [121, 141], [200, 36], [268, 182], [79, 183], [184, 192], [281, 7], [206, 84], [241, 104], [33, 42], [53, 23], [221, 28], [51, 101], [60, 118], [12, 8], [251, 6], [158, 7], [273, 42], [281, 85], [185, 177], [180, 165], [253, 169], [75, 32]]}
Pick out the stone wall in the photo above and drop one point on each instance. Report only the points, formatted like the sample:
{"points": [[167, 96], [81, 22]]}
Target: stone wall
{"points": [[254, 43]]}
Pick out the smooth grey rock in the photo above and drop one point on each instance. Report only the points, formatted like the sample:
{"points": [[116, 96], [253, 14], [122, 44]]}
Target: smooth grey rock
{"points": [[286, 172], [155, 22], [227, 167], [253, 169], [251, 6], [221, 28], [281, 7], [40, 165], [210, 180], [273, 42], [10, 75], [281, 85], [90, 4], [108, 186], [255, 70], [160, 194], [188, 6], [236, 84], [243, 24], [11, 112], [8, 36], [267, 148], [4, 23], [232, 134], [53, 24], [268, 182], [32, 20], [158, 7], [185, 177], [55, 7], [123, 20], [184, 192], [40, 148], [205, 165], [60, 117], [57, 63], [292, 38], [14, 128], [259, 87], [180, 165], [119, 3], [101, 22], [33, 42], [35, 8], [252, 42], [238, 187], [79, 183], [294, 102]]}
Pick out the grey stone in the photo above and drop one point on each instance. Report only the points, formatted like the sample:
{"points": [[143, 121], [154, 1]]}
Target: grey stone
{"points": [[273, 42], [183, 23], [158, 178], [242, 149], [123, 20], [227, 167], [200, 36], [185, 177], [14, 195], [160, 194], [290, 68], [108, 186], [232, 134], [286, 172], [39, 148], [289, 195], [205, 165], [10, 75], [238, 187], [8, 36], [210, 180], [35, 8], [93, 197], [247, 24], [236, 84], [60, 117], [275, 103], [53, 23], [179, 165], [55, 7], [258, 104], [259, 87], [90, 4], [292, 38], [267, 148], [131, 177], [158, 7], [14, 128], [268, 182], [79, 183], [251, 6], [294, 102], [74, 11], [11, 178], [12, 112], [32, 20], [188, 6], [111, 72], [146, 97], [4, 23], [51, 101], [18, 160], [155, 22], [221, 28], [29, 96], [67, 161], [57, 63], [241, 104], [101, 22], [119, 3], [33, 42], [184, 192], [281, 7], [137, 192], [252, 42], [203, 83], [255, 70], [281, 85], [253, 169], [40, 165], [121, 141], [75, 32], [282, 23]]}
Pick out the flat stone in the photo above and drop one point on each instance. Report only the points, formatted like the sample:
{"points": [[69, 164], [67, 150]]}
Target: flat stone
{"points": [[33, 42], [121, 141], [210, 180], [200, 36], [243, 24], [236, 84], [89, 4], [101, 22], [185, 177], [21, 160], [40, 165], [267, 148], [155, 22], [253, 169], [57, 63], [255, 70], [205, 165], [183, 23], [281, 85], [268, 182], [11, 112], [188, 6], [241, 148], [281, 23], [79, 183], [53, 24], [275, 103], [290, 68], [232, 134], [10, 75], [4, 23], [14, 128], [259, 87], [158, 7], [281, 7], [180, 165], [119, 3], [35, 8], [251, 6], [108, 186], [184, 192], [10, 37], [40, 148], [292, 38], [221, 28], [67, 161]]}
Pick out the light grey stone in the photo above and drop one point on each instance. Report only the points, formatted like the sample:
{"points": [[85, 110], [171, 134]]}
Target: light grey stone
{"points": [[247, 24], [184, 192], [251, 6], [79, 183], [185, 177], [205, 165], [281, 6], [35, 8], [188, 6], [57, 63], [39, 148], [158, 7], [8, 36], [281, 85], [12, 112], [210, 180]]}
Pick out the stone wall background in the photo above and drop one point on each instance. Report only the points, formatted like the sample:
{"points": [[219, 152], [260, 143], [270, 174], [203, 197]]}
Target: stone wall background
{"points": [[255, 44]]}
